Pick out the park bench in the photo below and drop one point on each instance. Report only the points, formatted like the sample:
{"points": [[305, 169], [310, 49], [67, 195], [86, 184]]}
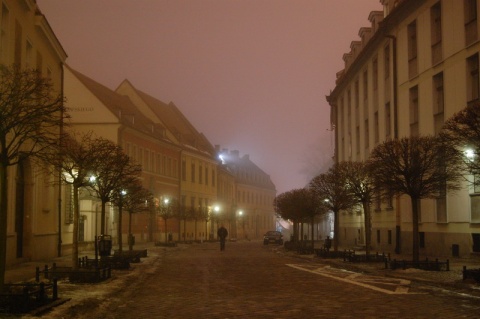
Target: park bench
{"points": [[429, 265], [112, 262], [81, 274], [24, 297], [471, 274], [133, 256], [328, 253], [352, 256]]}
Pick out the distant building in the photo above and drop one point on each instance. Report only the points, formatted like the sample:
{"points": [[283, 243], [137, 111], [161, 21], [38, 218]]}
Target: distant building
{"points": [[254, 195], [415, 66], [27, 41], [98, 109]]}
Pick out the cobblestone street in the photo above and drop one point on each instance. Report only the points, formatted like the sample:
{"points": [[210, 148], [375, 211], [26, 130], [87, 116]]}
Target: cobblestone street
{"points": [[250, 280]]}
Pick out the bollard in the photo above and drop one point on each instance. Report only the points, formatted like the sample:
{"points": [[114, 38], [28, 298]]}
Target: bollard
{"points": [[46, 272], [41, 295], [37, 274], [55, 289]]}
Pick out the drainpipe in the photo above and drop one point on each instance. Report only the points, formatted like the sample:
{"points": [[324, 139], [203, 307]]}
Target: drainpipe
{"points": [[398, 216], [59, 246]]}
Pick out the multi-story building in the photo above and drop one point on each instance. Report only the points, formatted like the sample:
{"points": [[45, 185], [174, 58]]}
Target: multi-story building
{"points": [[27, 41], [413, 68], [197, 164], [98, 109], [254, 195]]}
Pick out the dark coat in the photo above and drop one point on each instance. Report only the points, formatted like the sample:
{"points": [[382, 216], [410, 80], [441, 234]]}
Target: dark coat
{"points": [[222, 233]]}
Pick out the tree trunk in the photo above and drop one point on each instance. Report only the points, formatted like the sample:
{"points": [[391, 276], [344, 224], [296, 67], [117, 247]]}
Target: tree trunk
{"points": [[313, 232], [336, 225], [166, 239], [130, 236], [119, 232], [368, 227], [102, 218], [76, 219], [415, 235], [3, 223]]}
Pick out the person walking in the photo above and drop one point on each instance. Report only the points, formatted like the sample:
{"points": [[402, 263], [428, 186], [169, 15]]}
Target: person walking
{"points": [[222, 233]]}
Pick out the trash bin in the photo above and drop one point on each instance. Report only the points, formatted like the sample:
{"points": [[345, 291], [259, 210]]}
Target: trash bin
{"points": [[104, 245], [131, 240], [455, 250]]}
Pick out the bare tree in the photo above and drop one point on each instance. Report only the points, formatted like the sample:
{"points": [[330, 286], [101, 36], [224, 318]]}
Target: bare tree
{"points": [[133, 198], [167, 209], [360, 183], [78, 156], [463, 131], [331, 188], [420, 167], [31, 116], [115, 171], [299, 205]]}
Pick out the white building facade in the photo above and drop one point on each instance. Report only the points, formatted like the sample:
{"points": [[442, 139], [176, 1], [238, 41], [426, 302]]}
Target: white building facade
{"points": [[412, 69]]}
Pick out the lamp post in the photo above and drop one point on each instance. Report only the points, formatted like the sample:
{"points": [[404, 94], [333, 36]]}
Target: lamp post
{"points": [[216, 209], [120, 207], [240, 213], [165, 211]]}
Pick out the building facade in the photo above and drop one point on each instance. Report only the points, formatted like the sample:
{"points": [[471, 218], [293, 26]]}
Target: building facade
{"points": [[254, 195], [98, 109], [33, 221], [414, 67]]}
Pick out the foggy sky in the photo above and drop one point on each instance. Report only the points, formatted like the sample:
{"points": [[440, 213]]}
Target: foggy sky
{"points": [[252, 75]]}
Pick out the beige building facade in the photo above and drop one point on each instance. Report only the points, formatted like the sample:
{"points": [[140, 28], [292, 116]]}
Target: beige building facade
{"points": [[413, 67], [26, 40]]}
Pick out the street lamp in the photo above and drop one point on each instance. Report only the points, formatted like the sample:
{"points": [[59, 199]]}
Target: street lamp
{"points": [[240, 213], [165, 211]]}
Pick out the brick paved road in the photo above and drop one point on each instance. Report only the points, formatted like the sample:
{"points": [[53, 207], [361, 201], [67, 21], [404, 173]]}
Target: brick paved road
{"points": [[250, 280]]}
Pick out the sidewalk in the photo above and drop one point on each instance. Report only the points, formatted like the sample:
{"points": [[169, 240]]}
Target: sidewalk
{"points": [[25, 271], [447, 279]]}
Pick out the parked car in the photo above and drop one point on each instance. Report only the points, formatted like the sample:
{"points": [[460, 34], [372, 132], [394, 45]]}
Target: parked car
{"points": [[273, 237]]}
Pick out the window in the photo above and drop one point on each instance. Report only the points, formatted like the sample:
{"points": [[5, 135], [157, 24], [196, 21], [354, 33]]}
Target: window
{"points": [[436, 29], [184, 170], [476, 242], [412, 49], [414, 111], [438, 103], [471, 33], [375, 83], [378, 236], [213, 178], [365, 92], [357, 139], [69, 204], [28, 55], [192, 172], [472, 79], [367, 134], [388, 121], [475, 201], [4, 33], [200, 174], [421, 239], [389, 234], [376, 128], [387, 79], [18, 44], [387, 61]]}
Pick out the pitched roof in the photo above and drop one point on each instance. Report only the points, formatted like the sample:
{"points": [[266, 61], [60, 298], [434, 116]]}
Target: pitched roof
{"points": [[122, 107], [177, 123], [246, 171]]}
